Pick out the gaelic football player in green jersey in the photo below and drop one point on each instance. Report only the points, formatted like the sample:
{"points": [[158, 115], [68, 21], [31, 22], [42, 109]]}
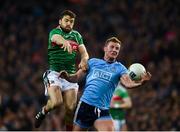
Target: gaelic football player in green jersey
{"points": [[63, 45], [119, 102]]}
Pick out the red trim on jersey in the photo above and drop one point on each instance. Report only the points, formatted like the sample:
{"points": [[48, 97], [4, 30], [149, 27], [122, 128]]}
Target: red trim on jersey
{"points": [[73, 44], [116, 98]]}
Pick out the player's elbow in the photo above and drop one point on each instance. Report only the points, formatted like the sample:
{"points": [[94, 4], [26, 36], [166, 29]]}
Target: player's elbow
{"points": [[54, 39], [129, 105]]}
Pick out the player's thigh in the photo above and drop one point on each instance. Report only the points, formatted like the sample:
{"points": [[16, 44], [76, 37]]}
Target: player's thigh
{"points": [[55, 94], [70, 98], [104, 125]]}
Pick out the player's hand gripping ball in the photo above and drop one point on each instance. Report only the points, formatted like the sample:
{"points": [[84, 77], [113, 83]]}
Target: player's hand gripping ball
{"points": [[136, 70]]}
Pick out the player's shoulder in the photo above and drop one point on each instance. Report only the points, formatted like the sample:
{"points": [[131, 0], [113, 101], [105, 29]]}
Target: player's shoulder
{"points": [[55, 30], [95, 60], [121, 67], [119, 64], [75, 32]]}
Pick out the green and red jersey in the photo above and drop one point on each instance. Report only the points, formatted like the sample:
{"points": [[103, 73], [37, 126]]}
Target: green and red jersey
{"points": [[58, 59], [119, 94]]}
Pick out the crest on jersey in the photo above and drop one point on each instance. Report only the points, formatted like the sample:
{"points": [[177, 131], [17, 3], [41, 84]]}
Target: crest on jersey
{"points": [[112, 69]]}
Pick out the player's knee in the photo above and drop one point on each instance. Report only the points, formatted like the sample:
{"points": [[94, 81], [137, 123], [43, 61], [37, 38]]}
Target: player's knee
{"points": [[70, 107]]}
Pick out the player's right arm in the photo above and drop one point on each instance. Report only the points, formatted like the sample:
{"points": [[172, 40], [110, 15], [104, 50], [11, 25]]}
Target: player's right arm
{"points": [[128, 83], [59, 40], [77, 77]]}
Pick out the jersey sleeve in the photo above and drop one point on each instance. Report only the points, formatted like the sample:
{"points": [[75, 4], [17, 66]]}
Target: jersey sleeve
{"points": [[91, 62], [121, 92], [123, 69], [79, 39]]}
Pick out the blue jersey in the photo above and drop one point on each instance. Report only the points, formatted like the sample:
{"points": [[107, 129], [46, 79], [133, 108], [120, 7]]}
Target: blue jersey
{"points": [[101, 81]]}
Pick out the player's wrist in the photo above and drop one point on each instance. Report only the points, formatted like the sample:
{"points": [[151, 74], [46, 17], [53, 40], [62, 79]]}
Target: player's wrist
{"points": [[63, 42]]}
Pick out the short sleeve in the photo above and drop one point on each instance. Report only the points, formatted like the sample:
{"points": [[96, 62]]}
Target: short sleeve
{"points": [[79, 39], [121, 92]]}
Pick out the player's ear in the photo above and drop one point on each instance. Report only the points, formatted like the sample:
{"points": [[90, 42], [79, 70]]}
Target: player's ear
{"points": [[59, 21], [105, 48]]}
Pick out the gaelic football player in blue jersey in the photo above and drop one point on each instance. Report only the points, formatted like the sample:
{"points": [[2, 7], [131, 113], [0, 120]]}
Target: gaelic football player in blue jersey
{"points": [[102, 78]]}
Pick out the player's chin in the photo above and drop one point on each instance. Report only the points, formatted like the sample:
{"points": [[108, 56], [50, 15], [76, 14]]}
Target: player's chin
{"points": [[67, 29], [113, 57]]}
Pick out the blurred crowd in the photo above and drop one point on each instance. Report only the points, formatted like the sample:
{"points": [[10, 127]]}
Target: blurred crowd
{"points": [[150, 34]]}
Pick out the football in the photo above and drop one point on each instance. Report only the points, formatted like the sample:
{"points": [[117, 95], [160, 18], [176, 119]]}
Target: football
{"points": [[135, 71]]}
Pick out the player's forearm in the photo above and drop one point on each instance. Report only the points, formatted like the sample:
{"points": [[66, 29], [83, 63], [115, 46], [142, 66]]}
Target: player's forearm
{"points": [[128, 83], [131, 84], [84, 56], [73, 78], [58, 39], [69, 77], [77, 77], [83, 52]]}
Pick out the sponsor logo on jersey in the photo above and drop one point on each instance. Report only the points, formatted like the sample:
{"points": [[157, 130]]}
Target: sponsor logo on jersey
{"points": [[102, 74], [113, 69], [74, 45]]}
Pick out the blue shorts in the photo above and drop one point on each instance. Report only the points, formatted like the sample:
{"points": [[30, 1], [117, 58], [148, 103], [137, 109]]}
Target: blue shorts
{"points": [[86, 115]]}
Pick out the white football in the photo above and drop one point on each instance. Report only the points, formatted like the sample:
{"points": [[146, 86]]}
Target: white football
{"points": [[136, 70]]}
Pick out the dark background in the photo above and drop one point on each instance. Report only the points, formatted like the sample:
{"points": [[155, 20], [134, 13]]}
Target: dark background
{"points": [[148, 29]]}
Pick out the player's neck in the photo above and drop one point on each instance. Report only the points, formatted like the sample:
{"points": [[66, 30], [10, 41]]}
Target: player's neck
{"points": [[109, 60]]}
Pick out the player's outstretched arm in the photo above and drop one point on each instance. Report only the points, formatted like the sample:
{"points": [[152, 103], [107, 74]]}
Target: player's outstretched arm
{"points": [[77, 77], [84, 58], [128, 83], [59, 40]]}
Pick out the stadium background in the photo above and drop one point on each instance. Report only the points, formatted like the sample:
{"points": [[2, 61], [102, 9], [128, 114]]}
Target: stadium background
{"points": [[149, 31]]}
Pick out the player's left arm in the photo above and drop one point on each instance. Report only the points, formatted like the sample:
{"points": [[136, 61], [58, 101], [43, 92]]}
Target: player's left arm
{"points": [[84, 57], [121, 97], [128, 83], [127, 103], [75, 78]]}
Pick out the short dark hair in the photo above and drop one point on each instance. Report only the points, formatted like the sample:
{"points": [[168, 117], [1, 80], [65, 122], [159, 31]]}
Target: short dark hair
{"points": [[112, 39], [67, 12]]}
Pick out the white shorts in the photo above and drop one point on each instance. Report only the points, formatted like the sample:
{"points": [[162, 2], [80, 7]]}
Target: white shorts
{"points": [[118, 124], [51, 78]]}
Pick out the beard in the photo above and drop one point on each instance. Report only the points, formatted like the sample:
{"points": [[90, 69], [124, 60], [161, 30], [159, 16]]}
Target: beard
{"points": [[67, 30]]}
